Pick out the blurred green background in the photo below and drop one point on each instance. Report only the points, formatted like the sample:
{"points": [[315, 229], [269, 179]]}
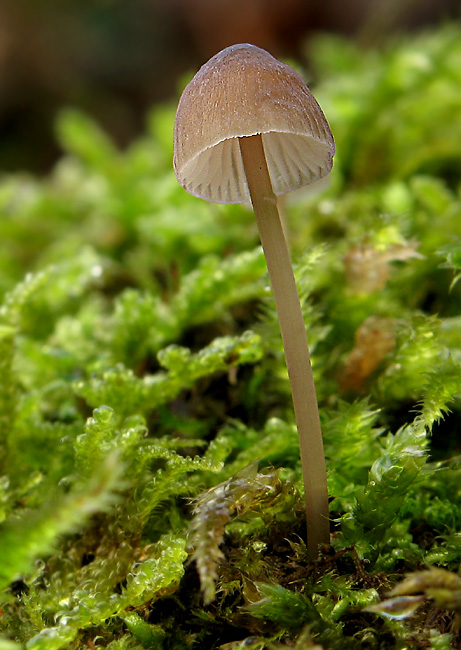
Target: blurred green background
{"points": [[115, 59]]}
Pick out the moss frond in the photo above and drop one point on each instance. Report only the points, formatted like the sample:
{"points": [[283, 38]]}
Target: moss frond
{"points": [[213, 509], [34, 534], [120, 386]]}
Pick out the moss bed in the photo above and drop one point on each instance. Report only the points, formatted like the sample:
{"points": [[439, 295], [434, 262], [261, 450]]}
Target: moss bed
{"points": [[150, 481]]}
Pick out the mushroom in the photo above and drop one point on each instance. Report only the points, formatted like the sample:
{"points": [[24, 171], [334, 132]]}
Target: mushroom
{"points": [[248, 128]]}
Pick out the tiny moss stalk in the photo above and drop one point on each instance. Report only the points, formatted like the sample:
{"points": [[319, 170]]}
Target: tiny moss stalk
{"points": [[294, 340]]}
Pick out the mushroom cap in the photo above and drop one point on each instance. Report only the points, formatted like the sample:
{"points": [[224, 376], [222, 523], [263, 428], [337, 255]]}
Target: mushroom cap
{"points": [[243, 91]]}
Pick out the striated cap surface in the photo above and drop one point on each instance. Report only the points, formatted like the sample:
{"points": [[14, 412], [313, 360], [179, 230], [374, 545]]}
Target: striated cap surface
{"points": [[242, 91]]}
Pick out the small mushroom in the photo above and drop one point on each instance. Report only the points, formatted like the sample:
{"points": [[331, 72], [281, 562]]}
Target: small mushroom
{"points": [[247, 127]]}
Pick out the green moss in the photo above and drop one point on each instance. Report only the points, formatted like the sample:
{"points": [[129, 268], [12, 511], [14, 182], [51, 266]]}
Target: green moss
{"points": [[145, 413]]}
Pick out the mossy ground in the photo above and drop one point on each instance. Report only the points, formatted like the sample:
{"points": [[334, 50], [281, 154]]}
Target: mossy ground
{"points": [[146, 431]]}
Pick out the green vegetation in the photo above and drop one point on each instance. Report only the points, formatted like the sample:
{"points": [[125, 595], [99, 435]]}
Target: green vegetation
{"points": [[150, 482]]}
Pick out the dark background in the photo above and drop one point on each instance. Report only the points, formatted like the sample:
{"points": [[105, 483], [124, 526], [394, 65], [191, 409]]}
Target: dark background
{"points": [[116, 58]]}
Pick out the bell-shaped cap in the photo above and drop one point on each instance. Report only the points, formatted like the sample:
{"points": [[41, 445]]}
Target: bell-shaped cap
{"points": [[244, 91]]}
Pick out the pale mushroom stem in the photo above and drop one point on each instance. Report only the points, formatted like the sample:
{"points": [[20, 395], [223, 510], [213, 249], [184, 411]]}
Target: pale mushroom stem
{"points": [[294, 340]]}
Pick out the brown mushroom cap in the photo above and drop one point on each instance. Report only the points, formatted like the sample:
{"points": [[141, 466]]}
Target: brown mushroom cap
{"points": [[245, 91]]}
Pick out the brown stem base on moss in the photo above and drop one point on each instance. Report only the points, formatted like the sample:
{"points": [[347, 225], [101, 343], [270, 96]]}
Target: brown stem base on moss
{"points": [[294, 341]]}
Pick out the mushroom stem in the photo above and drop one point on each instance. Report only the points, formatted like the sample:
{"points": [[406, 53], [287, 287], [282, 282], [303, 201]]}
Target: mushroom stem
{"points": [[294, 340]]}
